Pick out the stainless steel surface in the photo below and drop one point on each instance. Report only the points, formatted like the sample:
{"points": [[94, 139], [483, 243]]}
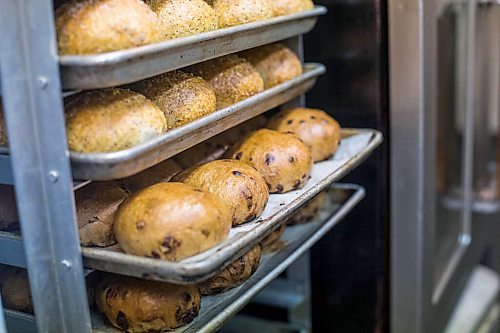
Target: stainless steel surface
{"points": [[105, 166], [412, 30], [215, 310], [353, 150], [19, 322], [434, 248], [31, 95], [3, 328], [126, 66], [5, 170]]}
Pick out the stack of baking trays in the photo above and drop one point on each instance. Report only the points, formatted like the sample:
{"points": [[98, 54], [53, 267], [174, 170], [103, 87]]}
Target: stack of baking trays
{"points": [[184, 183]]}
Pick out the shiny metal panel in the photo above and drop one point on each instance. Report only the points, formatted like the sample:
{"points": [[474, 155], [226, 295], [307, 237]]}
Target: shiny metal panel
{"points": [[31, 94]]}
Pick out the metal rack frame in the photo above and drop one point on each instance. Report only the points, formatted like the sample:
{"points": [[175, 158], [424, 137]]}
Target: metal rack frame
{"points": [[39, 165]]}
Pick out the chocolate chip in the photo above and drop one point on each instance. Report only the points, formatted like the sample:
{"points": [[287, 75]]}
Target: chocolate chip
{"points": [[312, 117], [289, 122], [279, 188], [254, 268], [304, 176], [296, 184], [289, 132], [186, 296], [155, 254], [237, 173], [216, 290], [205, 232], [186, 317], [94, 219], [269, 159], [238, 156], [140, 225], [302, 121], [250, 159], [291, 159], [170, 244], [121, 321]]}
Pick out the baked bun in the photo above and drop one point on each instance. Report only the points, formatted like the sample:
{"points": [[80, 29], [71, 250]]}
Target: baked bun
{"points": [[285, 7], [233, 78], [215, 147], [110, 120], [96, 204], [319, 131], [309, 211], [135, 305], [233, 275], [271, 239], [3, 129], [179, 18], [97, 26], [161, 172], [281, 158], [274, 62], [236, 12], [8, 211], [16, 294], [237, 184], [181, 96], [171, 221]]}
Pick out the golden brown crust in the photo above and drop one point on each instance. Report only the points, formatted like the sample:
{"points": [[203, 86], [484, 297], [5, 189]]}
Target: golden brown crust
{"points": [[309, 211], [274, 62], [239, 185], [171, 221], [181, 96], [285, 7], [273, 237], [16, 294], [235, 12], [8, 210], [135, 305], [179, 18], [3, 130], [233, 275], [161, 172], [281, 158], [319, 131], [97, 26], [232, 78], [96, 204], [111, 120]]}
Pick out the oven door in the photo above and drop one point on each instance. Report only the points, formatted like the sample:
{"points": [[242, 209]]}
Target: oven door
{"points": [[444, 74]]}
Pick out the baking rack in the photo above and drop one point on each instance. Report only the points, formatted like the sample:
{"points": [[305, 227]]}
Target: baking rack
{"points": [[43, 171]]}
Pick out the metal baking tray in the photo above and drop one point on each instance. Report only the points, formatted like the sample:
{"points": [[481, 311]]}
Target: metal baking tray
{"points": [[215, 310], [126, 66], [356, 145], [107, 166], [124, 163]]}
